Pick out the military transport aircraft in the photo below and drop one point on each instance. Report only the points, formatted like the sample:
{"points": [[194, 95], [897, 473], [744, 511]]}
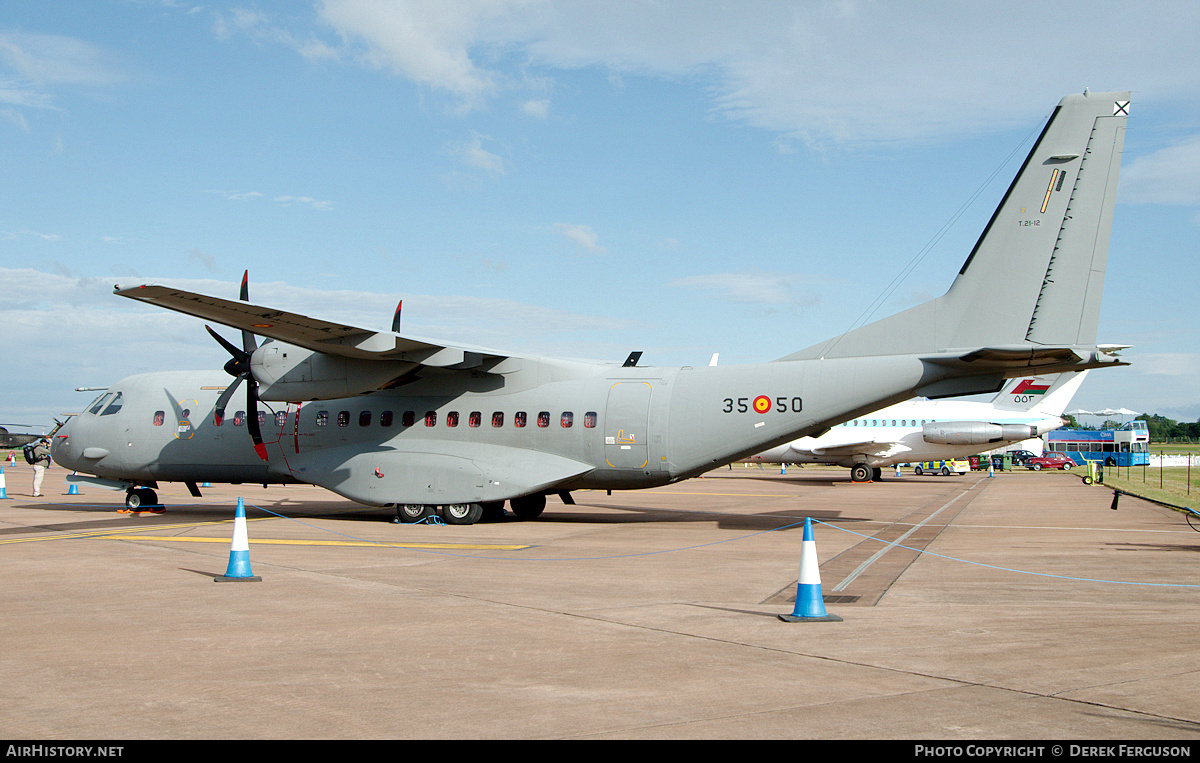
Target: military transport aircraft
{"points": [[935, 430], [385, 419]]}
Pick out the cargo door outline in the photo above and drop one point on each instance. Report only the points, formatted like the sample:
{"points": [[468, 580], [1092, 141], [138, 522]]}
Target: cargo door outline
{"points": [[626, 441]]}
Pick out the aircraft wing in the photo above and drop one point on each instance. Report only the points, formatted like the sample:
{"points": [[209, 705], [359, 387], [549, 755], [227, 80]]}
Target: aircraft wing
{"points": [[310, 333], [866, 447]]}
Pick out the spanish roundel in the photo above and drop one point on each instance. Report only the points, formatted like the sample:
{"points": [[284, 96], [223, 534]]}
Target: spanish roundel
{"points": [[762, 404]]}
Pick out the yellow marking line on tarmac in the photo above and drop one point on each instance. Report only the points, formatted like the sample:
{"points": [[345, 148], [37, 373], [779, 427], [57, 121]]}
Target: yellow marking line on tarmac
{"points": [[298, 542], [110, 531]]}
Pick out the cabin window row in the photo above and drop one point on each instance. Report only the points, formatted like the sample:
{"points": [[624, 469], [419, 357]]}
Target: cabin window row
{"points": [[884, 422], [409, 418]]}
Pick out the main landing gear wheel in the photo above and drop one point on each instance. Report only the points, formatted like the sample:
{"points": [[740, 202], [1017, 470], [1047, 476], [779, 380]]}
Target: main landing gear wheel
{"points": [[528, 506], [408, 513], [493, 511], [861, 473], [141, 498], [462, 513]]}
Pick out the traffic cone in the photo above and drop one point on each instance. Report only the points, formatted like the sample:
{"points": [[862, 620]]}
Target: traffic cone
{"points": [[239, 552], [3, 489], [73, 490], [810, 605]]}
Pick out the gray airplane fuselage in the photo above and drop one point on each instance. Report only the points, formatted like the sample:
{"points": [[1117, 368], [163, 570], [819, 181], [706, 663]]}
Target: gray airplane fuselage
{"points": [[528, 424]]}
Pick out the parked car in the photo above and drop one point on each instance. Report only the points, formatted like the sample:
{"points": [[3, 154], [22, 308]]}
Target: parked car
{"points": [[1021, 457], [944, 468], [1052, 460]]}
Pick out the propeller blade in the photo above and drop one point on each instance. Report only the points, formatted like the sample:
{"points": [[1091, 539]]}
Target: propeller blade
{"points": [[223, 401], [249, 343], [235, 352], [252, 418]]}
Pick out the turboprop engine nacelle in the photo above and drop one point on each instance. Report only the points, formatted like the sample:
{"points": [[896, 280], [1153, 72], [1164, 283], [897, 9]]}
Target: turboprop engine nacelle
{"points": [[974, 432], [285, 372]]}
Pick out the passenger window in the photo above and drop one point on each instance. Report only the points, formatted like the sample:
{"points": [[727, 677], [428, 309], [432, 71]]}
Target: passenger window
{"points": [[262, 418], [280, 418], [408, 419], [114, 406], [158, 418], [519, 419], [322, 418], [364, 419], [474, 419], [452, 419], [544, 419], [343, 418], [239, 419], [385, 419], [497, 419], [566, 420], [431, 418], [589, 419]]}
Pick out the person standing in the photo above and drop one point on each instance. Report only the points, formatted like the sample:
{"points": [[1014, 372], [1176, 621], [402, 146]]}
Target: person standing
{"points": [[41, 461]]}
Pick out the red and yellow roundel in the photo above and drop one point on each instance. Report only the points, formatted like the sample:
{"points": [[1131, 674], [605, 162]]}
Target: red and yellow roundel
{"points": [[762, 404]]}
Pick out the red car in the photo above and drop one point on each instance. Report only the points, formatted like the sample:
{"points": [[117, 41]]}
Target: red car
{"points": [[1052, 460]]}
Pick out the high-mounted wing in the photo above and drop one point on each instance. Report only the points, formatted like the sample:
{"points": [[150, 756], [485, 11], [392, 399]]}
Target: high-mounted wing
{"points": [[310, 333]]}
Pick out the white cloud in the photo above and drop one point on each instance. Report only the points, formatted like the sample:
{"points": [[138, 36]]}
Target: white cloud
{"points": [[304, 201], [845, 71], [538, 109], [1168, 176], [748, 288], [583, 236], [472, 153]]}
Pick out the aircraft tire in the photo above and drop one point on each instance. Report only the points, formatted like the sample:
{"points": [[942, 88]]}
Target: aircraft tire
{"points": [[860, 473], [528, 506], [493, 511], [877, 474], [462, 513], [140, 498], [408, 513]]}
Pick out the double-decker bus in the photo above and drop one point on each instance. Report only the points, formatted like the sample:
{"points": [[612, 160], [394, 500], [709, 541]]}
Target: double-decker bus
{"points": [[1127, 445]]}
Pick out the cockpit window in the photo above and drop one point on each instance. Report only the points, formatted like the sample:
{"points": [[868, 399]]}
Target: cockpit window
{"points": [[114, 406], [100, 401]]}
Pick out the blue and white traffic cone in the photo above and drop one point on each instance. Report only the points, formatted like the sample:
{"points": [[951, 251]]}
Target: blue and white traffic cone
{"points": [[810, 604], [3, 488], [239, 552], [73, 489]]}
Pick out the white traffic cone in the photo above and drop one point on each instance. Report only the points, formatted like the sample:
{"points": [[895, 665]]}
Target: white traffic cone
{"points": [[810, 604], [239, 552]]}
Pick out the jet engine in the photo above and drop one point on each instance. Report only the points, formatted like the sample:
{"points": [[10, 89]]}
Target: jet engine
{"points": [[974, 432], [285, 372]]}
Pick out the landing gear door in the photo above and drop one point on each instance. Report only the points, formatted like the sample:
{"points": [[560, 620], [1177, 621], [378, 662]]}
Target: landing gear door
{"points": [[626, 439]]}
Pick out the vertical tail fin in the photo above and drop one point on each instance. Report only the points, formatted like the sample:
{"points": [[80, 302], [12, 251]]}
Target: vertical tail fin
{"points": [[1035, 276], [1048, 395]]}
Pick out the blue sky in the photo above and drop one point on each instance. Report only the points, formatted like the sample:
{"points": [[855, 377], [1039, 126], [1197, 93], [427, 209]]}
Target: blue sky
{"points": [[569, 178]]}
